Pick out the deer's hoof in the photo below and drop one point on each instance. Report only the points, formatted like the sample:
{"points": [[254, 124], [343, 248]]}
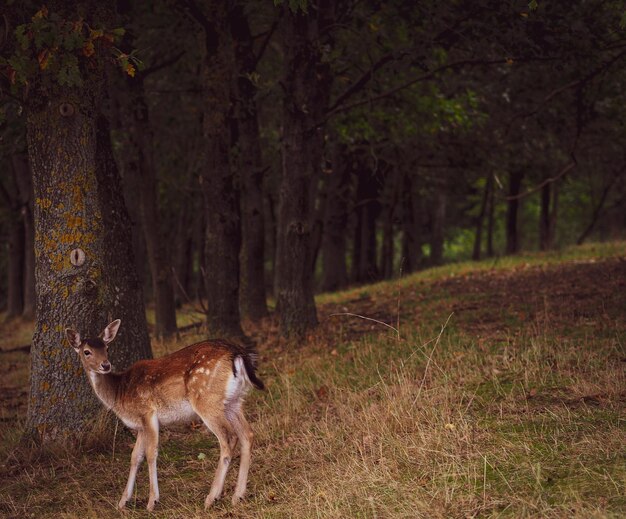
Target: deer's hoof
{"points": [[236, 499]]}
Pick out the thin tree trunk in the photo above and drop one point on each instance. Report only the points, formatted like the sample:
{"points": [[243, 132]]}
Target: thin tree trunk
{"points": [[23, 182], [334, 269], [156, 244], [413, 223], [513, 242], [597, 211], [367, 210], [476, 253], [491, 220], [15, 267], [438, 226], [183, 252], [544, 218], [554, 214], [389, 208]]}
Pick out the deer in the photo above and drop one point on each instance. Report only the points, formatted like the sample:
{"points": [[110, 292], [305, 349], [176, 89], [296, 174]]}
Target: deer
{"points": [[207, 380]]}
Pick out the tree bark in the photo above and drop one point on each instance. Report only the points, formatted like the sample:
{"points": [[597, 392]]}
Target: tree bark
{"points": [[413, 224], [478, 237], [15, 267], [334, 269], [184, 250], [221, 197], [491, 220], [156, 244], [78, 205], [438, 226], [25, 188], [513, 242], [364, 267], [390, 199], [307, 81], [544, 218], [252, 299]]}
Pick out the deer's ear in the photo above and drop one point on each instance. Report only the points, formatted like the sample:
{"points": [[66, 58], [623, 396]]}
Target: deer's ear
{"points": [[73, 337], [110, 331]]}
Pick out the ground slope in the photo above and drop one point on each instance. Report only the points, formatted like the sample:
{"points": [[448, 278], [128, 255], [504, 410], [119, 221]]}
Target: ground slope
{"points": [[472, 390]]}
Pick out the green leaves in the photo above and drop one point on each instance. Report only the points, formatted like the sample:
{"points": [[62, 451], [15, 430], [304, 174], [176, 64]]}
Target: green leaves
{"points": [[52, 49]]}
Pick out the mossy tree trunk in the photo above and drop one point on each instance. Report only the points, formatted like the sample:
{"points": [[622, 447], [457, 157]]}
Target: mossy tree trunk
{"points": [[85, 270]]}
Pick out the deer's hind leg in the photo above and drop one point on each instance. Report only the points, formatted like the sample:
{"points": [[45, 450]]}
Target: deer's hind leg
{"points": [[244, 433], [214, 419]]}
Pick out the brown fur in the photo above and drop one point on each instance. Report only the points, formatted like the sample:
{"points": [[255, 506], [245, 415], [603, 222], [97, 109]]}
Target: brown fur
{"points": [[206, 381]]}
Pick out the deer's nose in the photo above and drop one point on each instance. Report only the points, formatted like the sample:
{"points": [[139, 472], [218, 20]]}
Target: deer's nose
{"points": [[105, 366]]}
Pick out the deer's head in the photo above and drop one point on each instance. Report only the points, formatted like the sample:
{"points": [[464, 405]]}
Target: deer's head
{"points": [[93, 353]]}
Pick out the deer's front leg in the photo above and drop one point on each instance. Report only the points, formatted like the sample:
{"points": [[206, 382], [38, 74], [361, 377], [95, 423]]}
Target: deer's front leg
{"points": [[151, 440], [135, 460]]}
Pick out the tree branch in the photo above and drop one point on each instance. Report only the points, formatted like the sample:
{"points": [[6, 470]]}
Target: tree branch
{"points": [[547, 181], [362, 81], [423, 77], [164, 64], [195, 12], [576, 83], [265, 43], [597, 211]]}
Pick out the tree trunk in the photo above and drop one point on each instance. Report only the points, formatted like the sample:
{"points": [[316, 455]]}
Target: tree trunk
{"points": [[554, 213], [438, 227], [15, 267], [127, 160], [318, 221], [491, 220], [413, 224], [478, 238], [252, 299], [221, 197], [513, 244], [183, 251], [389, 208], [365, 269], [334, 269], [25, 187], [307, 81], [156, 244], [544, 218], [78, 205], [199, 226]]}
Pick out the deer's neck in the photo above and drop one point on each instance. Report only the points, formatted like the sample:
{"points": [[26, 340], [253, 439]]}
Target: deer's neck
{"points": [[105, 387]]}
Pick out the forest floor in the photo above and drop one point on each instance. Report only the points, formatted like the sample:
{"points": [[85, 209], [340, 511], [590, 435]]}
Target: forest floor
{"points": [[470, 390]]}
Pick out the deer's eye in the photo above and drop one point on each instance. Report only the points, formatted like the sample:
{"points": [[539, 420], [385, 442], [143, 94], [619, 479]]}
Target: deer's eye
{"points": [[87, 353]]}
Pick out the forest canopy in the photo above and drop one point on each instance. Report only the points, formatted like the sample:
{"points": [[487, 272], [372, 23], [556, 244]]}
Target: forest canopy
{"points": [[274, 149]]}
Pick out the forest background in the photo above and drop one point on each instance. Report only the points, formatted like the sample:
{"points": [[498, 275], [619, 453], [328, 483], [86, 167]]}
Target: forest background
{"points": [[240, 157]]}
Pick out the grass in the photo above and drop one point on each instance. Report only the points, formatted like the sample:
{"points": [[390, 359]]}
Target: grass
{"points": [[503, 394]]}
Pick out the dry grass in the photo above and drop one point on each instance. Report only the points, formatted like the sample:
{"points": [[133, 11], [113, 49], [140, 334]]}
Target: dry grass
{"points": [[524, 418]]}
